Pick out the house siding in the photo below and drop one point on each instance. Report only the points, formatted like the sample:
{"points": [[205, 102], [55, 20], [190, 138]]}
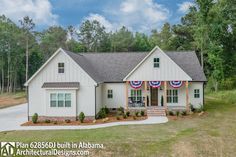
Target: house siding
{"points": [[118, 99], [85, 96], [147, 72]]}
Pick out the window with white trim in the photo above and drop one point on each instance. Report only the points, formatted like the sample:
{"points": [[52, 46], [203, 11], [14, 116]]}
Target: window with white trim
{"points": [[172, 96], [196, 93], [60, 100], [61, 68], [109, 94], [156, 62]]}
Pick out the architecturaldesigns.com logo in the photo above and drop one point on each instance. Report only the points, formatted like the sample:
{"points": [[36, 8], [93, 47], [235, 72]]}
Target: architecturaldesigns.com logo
{"points": [[7, 148]]}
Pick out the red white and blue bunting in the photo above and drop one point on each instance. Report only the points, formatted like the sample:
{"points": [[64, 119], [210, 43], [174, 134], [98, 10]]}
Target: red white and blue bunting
{"points": [[176, 84], [155, 84], [136, 84]]}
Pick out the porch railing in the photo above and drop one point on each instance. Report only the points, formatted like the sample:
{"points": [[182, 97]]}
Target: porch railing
{"points": [[136, 103]]}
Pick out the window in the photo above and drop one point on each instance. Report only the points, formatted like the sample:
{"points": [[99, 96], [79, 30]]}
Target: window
{"points": [[156, 62], [172, 96], [60, 67], [196, 93], [136, 96], [109, 93], [53, 100], [169, 96], [67, 100], [60, 100]]}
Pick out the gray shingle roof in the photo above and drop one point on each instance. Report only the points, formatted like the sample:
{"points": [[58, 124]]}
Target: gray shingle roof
{"points": [[61, 85], [113, 67]]}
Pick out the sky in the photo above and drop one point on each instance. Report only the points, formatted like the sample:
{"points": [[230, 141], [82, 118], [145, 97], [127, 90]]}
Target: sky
{"points": [[137, 15]]}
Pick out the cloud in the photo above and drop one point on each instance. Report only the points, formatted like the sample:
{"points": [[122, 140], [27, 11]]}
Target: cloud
{"points": [[39, 10], [184, 7], [103, 21], [137, 15]]}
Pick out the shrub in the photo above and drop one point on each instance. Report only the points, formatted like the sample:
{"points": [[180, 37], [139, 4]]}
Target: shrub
{"points": [[171, 113], [124, 116], [200, 109], [101, 114], [142, 113], [106, 109], [67, 120], [47, 121], [134, 117], [121, 109], [177, 113], [55, 122], [137, 113], [119, 113], [192, 108], [117, 117], [35, 118], [81, 117], [184, 113], [127, 113]]}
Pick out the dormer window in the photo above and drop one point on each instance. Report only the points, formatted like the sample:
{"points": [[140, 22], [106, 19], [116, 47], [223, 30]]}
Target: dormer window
{"points": [[61, 68], [156, 62]]}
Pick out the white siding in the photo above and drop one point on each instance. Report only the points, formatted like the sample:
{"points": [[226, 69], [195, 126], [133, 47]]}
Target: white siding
{"points": [[118, 95], [167, 71], [60, 111], [99, 95], [73, 73], [196, 102]]}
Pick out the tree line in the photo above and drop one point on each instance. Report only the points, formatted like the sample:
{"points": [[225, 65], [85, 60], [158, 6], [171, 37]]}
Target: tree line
{"points": [[208, 29]]}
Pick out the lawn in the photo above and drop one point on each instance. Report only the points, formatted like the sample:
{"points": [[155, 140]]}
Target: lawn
{"points": [[210, 135], [11, 99]]}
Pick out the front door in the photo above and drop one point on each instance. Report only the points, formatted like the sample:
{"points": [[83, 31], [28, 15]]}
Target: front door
{"points": [[154, 96]]}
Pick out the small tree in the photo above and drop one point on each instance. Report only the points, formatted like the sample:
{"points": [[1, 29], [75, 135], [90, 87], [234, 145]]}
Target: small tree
{"points": [[35, 118], [81, 117]]}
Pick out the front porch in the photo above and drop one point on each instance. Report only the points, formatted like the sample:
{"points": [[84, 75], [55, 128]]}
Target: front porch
{"points": [[157, 98]]}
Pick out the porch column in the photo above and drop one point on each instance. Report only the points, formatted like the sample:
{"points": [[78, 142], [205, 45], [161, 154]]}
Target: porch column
{"points": [[126, 94], [187, 97], [145, 90], [165, 95]]}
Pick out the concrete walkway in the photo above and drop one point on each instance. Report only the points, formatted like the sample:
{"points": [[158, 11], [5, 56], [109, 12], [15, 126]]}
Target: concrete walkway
{"points": [[11, 118]]}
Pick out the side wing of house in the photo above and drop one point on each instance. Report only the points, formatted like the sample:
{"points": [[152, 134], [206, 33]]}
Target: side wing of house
{"points": [[52, 94]]}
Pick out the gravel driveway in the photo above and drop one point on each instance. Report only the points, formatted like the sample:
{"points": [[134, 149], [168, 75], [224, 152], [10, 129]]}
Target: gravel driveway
{"points": [[11, 118]]}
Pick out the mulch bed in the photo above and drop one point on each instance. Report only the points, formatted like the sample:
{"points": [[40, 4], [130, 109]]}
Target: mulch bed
{"points": [[189, 116], [109, 119]]}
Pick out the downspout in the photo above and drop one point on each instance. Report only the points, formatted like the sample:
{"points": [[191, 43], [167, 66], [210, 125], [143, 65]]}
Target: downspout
{"points": [[95, 100], [203, 93]]}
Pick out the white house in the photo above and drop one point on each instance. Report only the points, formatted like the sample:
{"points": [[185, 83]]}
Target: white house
{"points": [[70, 83]]}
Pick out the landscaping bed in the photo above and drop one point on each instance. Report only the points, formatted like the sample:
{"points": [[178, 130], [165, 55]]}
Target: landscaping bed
{"points": [[109, 119], [104, 116]]}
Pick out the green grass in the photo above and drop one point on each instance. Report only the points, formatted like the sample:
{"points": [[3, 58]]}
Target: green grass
{"points": [[210, 135]]}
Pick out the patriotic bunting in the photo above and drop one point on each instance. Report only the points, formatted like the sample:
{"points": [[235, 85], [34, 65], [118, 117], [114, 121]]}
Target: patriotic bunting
{"points": [[176, 84], [136, 84], [155, 84]]}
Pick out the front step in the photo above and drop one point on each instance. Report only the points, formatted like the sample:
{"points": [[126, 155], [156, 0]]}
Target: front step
{"points": [[156, 111]]}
